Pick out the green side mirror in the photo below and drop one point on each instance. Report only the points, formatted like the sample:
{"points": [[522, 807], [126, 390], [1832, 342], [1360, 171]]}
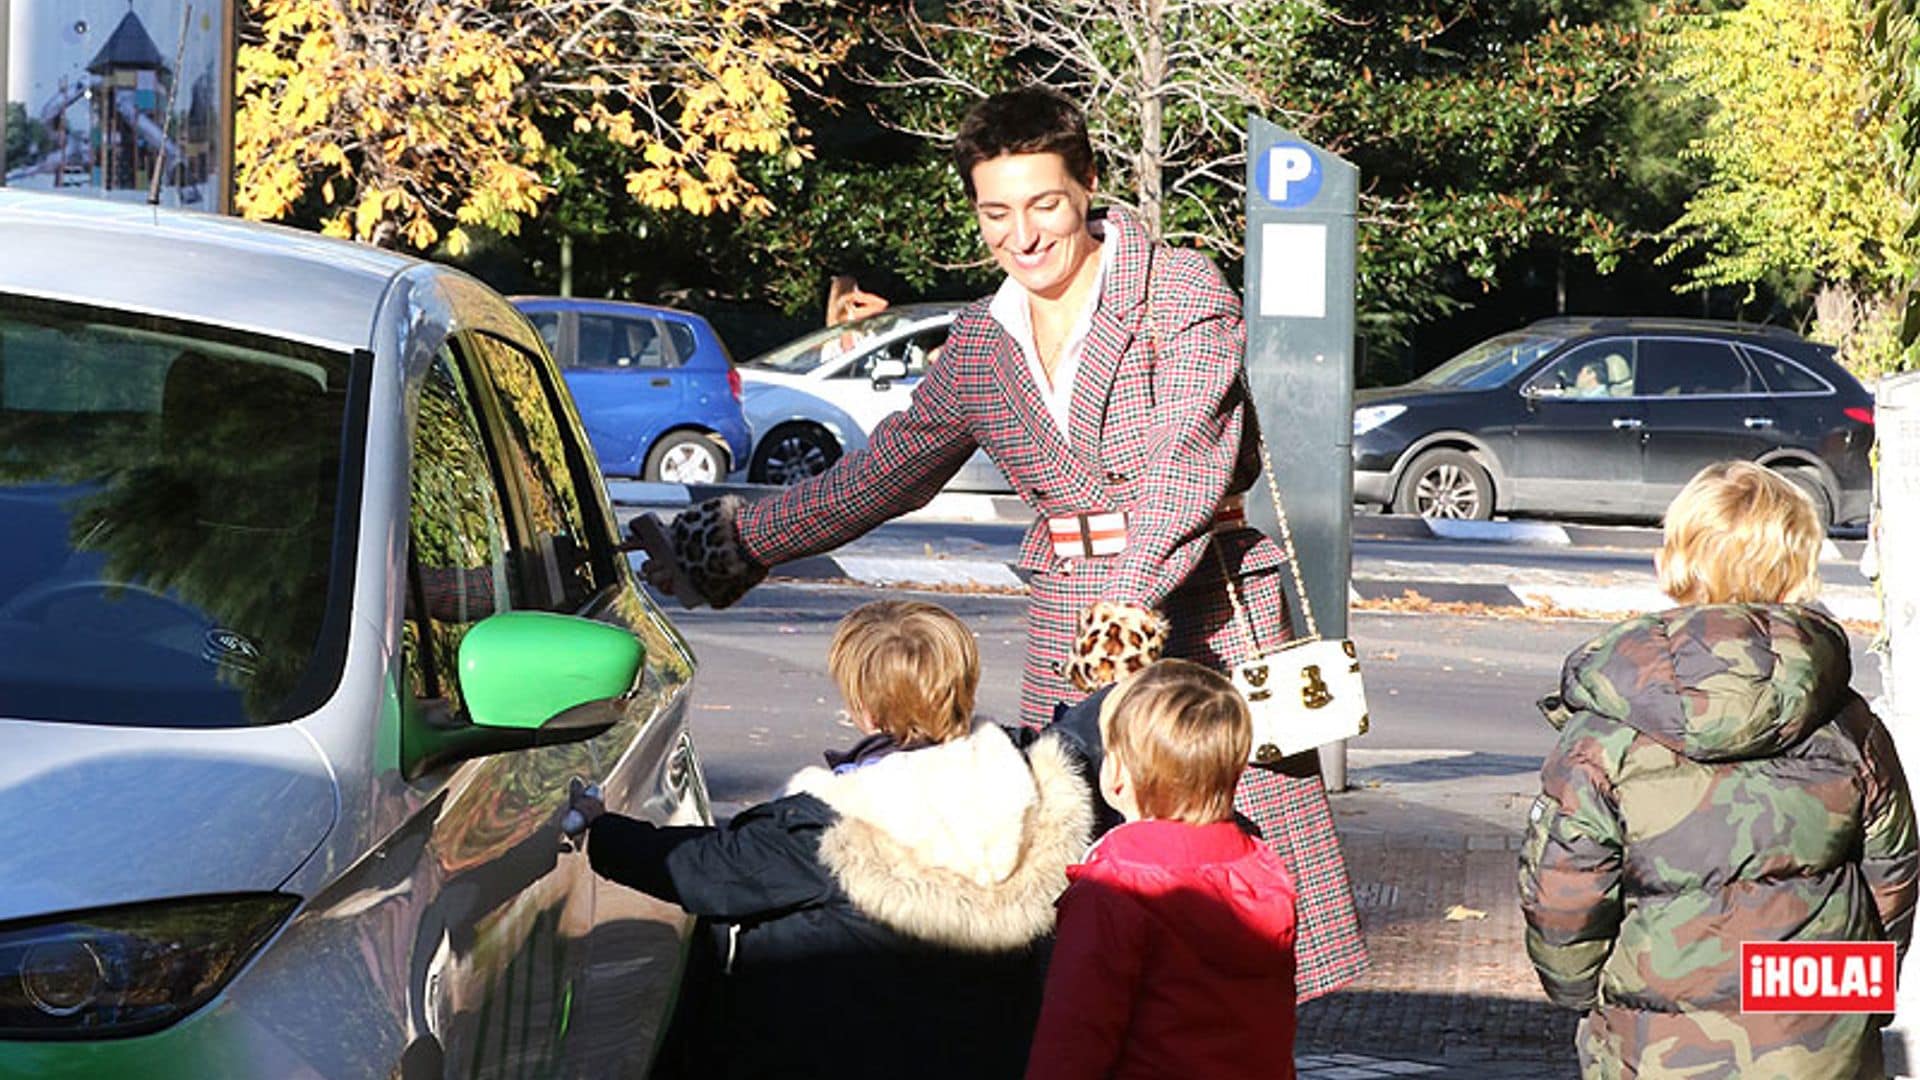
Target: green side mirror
{"points": [[520, 669], [529, 679]]}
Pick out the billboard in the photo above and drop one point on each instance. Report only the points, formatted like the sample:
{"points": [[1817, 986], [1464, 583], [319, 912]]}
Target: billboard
{"points": [[129, 100]]}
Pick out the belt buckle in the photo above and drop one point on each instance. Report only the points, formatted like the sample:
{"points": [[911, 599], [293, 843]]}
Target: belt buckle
{"points": [[1086, 535]]}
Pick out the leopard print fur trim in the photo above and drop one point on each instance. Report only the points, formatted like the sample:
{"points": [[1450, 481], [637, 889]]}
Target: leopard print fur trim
{"points": [[706, 542], [1113, 641]]}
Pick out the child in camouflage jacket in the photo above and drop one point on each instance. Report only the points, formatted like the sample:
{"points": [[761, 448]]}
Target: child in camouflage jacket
{"points": [[1716, 781]]}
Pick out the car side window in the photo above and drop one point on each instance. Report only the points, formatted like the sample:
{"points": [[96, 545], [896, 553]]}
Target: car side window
{"points": [[548, 324], [1598, 369], [556, 555], [916, 351], [1675, 367], [683, 341], [457, 530], [608, 342], [1783, 376]]}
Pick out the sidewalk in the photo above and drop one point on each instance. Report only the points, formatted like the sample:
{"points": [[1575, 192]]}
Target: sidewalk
{"points": [[1428, 833]]}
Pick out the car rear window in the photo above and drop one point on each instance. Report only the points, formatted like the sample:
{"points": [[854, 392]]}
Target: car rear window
{"points": [[1783, 376], [169, 550], [1491, 363]]}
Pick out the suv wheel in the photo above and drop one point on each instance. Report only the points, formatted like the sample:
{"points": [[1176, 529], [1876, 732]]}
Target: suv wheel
{"points": [[1808, 481], [1445, 484]]}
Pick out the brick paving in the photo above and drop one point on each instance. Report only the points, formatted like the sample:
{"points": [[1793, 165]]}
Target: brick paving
{"points": [[1444, 997]]}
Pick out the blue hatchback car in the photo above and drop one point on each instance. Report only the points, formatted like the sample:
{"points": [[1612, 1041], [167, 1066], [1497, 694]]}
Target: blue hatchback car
{"points": [[655, 387]]}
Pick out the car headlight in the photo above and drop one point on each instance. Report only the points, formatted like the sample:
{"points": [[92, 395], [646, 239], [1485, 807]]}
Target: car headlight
{"points": [[125, 971], [1372, 416]]}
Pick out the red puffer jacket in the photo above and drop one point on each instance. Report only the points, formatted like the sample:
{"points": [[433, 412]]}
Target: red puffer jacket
{"points": [[1174, 957]]}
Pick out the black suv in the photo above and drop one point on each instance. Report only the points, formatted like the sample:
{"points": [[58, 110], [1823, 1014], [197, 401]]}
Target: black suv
{"points": [[1610, 417]]}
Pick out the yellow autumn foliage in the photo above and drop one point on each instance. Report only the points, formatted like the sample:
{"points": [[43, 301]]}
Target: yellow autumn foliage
{"points": [[418, 121]]}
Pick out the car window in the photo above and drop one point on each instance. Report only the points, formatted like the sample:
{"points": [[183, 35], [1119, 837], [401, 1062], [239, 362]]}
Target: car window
{"points": [[1674, 367], [606, 342], [1598, 369], [1783, 376], [548, 323], [556, 556], [802, 355], [170, 555], [458, 531], [1491, 363], [916, 351], [683, 340]]}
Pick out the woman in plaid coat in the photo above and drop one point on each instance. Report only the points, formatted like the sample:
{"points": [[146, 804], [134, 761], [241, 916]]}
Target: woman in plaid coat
{"points": [[1104, 378]]}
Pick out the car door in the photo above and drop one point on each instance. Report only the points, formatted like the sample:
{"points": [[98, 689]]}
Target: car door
{"points": [[852, 385], [627, 385], [645, 764], [1703, 404], [1575, 445]]}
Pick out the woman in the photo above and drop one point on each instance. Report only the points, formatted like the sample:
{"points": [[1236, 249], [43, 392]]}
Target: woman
{"points": [[1104, 378], [1715, 782]]}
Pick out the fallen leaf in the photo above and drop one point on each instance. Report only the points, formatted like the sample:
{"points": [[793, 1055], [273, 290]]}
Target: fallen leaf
{"points": [[1461, 913]]}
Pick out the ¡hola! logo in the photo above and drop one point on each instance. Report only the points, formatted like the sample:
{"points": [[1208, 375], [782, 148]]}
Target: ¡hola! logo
{"points": [[1816, 976]]}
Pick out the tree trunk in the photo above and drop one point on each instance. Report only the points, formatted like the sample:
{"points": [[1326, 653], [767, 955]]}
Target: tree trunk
{"points": [[1149, 165], [1895, 529]]}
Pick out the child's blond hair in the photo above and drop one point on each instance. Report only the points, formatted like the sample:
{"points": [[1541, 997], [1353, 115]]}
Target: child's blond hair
{"points": [[1740, 533], [1183, 733], [911, 667]]}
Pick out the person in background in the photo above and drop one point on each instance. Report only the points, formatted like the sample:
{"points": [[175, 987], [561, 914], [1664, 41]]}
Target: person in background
{"points": [[1174, 954], [886, 915], [847, 302], [1716, 781]]}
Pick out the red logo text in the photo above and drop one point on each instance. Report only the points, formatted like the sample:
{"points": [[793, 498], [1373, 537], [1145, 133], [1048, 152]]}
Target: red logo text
{"points": [[1816, 976]]}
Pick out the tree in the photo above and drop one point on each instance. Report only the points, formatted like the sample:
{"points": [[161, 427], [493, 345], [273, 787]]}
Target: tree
{"points": [[1798, 194], [409, 117], [1895, 51]]}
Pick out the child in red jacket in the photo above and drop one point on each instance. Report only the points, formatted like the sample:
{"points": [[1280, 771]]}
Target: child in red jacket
{"points": [[1174, 954]]}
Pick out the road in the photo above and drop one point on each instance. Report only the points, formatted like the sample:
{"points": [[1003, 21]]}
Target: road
{"points": [[1446, 693]]}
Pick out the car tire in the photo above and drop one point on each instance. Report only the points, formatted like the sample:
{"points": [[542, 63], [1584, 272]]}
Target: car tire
{"points": [[1808, 481], [792, 453], [1445, 484], [685, 457]]}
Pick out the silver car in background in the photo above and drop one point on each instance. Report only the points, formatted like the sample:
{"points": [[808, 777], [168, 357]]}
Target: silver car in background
{"points": [[310, 610]]}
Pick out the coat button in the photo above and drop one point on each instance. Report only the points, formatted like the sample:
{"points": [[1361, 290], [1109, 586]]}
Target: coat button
{"points": [[1116, 477]]}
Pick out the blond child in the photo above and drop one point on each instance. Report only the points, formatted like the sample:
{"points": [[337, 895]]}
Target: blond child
{"points": [[881, 916], [1716, 782], [1175, 947]]}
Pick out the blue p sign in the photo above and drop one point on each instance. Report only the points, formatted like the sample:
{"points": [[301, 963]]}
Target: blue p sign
{"points": [[1289, 175]]}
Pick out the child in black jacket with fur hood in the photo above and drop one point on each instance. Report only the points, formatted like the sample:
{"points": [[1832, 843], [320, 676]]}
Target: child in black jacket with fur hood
{"points": [[888, 912]]}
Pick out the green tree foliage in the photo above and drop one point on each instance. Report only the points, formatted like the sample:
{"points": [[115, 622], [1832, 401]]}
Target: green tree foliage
{"points": [[1797, 193], [1895, 52]]}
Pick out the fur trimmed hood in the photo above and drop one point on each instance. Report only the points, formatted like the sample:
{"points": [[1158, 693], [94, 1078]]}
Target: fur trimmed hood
{"points": [[965, 844]]}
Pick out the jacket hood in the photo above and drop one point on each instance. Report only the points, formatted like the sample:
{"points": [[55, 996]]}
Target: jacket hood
{"points": [[965, 844], [1720, 682]]}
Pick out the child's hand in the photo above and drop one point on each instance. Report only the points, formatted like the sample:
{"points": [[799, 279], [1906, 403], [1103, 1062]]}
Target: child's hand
{"points": [[583, 806]]}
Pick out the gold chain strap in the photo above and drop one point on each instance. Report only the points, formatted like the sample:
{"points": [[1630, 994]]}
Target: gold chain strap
{"points": [[1273, 488]]}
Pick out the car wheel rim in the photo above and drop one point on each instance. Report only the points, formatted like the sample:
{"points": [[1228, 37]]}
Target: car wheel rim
{"points": [[793, 459], [1446, 491], [689, 463]]}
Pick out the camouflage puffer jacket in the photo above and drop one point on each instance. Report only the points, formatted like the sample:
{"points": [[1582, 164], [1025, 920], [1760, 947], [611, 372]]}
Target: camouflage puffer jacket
{"points": [[1716, 781]]}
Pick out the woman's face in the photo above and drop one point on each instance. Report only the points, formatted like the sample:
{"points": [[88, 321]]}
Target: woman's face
{"points": [[1033, 216]]}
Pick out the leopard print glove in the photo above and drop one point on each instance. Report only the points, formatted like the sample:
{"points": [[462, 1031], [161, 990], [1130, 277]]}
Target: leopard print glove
{"points": [[1113, 641], [706, 543]]}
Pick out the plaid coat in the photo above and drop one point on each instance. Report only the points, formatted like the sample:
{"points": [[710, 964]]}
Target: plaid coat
{"points": [[1159, 429]]}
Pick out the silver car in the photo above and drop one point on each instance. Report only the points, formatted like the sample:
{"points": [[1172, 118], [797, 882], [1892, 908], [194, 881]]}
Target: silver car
{"points": [[310, 611]]}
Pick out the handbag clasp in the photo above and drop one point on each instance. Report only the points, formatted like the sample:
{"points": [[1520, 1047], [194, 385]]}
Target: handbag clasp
{"points": [[1314, 695]]}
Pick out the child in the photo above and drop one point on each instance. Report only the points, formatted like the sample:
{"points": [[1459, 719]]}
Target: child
{"points": [[1175, 948], [882, 915], [1715, 782]]}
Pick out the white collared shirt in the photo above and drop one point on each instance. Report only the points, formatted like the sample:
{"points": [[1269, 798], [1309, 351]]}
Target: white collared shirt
{"points": [[1011, 308]]}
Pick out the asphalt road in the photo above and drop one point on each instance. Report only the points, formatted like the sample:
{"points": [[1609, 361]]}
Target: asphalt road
{"points": [[1437, 685]]}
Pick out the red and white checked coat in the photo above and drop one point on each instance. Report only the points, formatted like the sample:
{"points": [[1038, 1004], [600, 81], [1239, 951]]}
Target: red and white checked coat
{"points": [[1160, 430]]}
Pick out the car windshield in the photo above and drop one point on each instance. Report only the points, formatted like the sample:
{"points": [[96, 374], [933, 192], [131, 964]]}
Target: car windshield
{"points": [[1490, 363], [167, 520], [803, 355]]}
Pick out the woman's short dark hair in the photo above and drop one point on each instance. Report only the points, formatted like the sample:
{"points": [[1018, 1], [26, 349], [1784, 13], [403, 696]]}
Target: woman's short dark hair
{"points": [[1030, 120]]}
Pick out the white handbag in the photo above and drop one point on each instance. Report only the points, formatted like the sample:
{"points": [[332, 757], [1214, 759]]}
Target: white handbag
{"points": [[1307, 692]]}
